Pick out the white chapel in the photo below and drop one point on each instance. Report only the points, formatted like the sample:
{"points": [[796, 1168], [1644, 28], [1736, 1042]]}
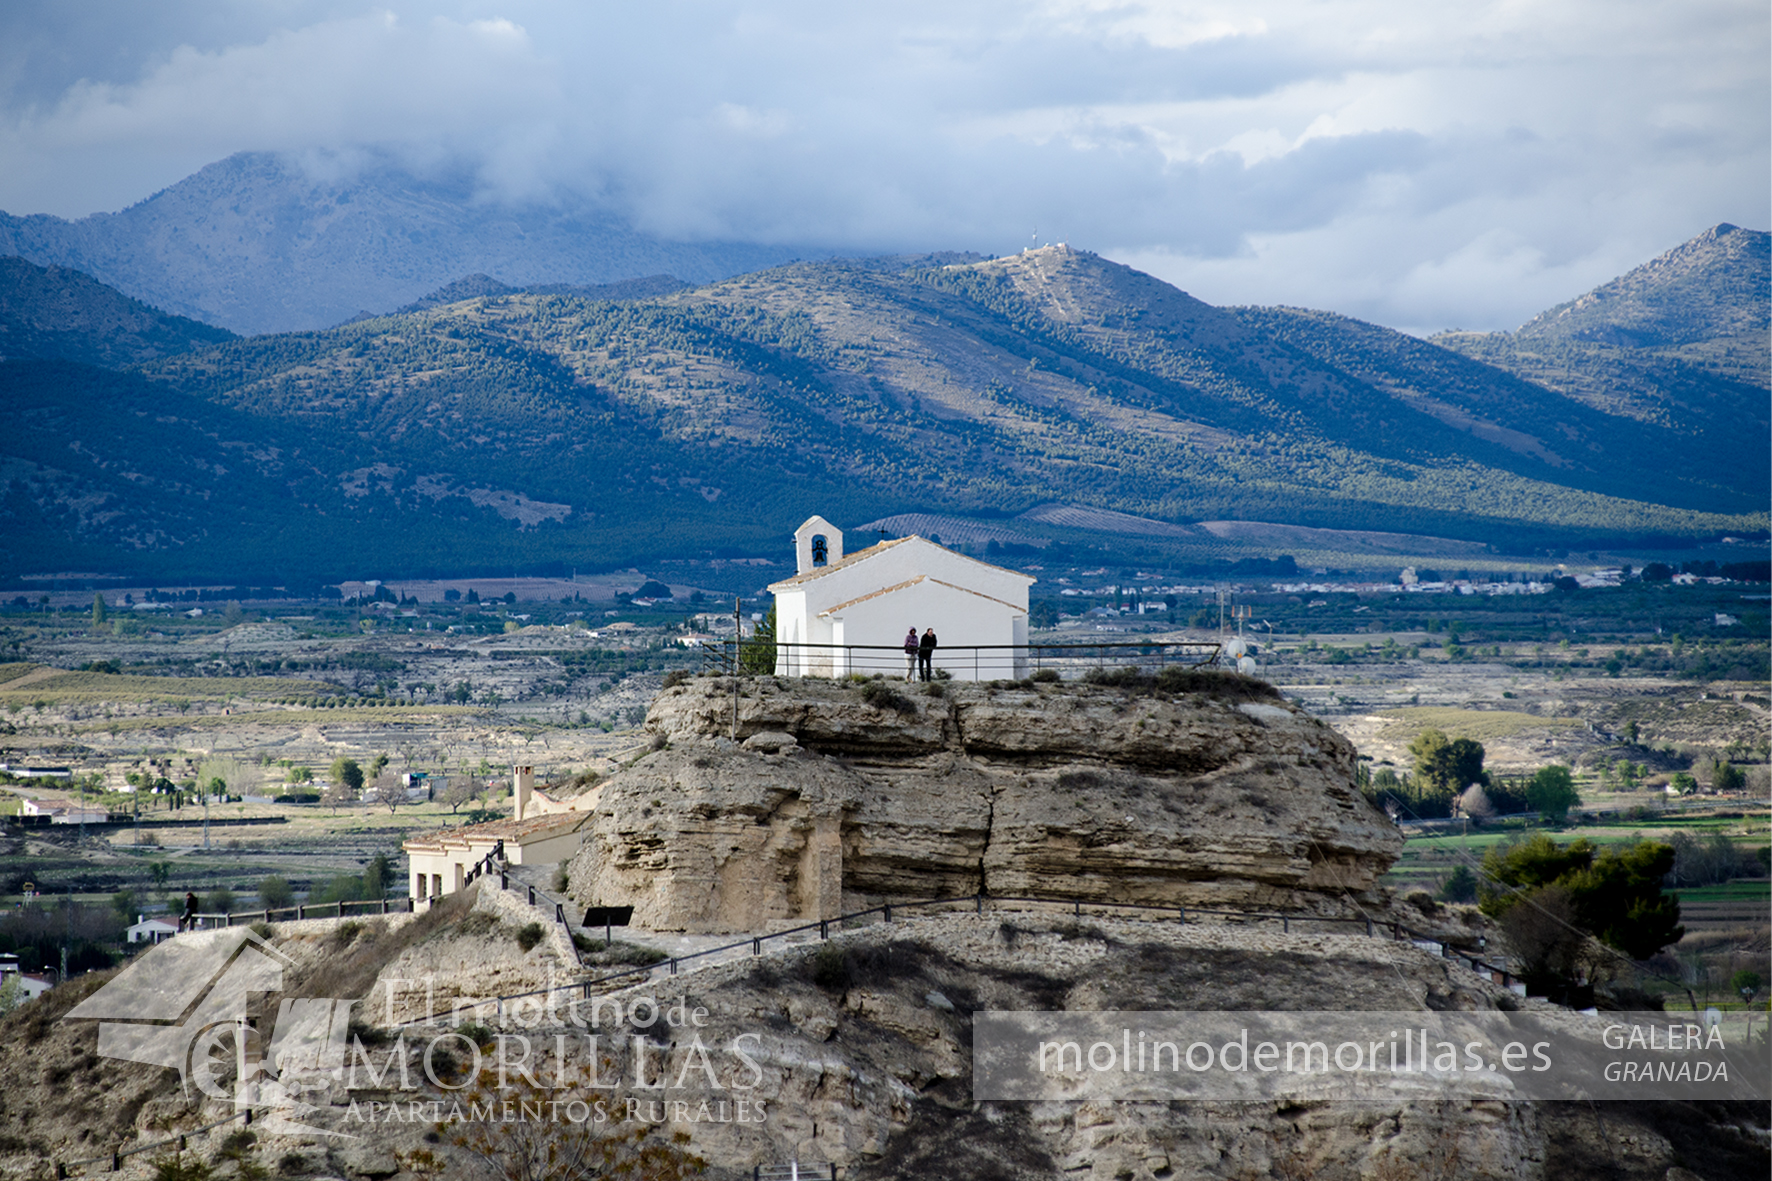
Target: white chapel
{"points": [[849, 613]]}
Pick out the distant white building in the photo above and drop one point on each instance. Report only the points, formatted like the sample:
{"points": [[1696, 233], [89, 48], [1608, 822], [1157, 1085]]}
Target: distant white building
{"points": [[837, 603], [147, 930], [64, 811]]}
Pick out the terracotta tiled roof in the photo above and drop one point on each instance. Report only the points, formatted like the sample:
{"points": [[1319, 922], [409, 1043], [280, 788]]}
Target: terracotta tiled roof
{"points": [[515, 831]]}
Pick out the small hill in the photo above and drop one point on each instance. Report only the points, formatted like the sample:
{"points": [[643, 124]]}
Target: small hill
{"points": [[1680, 342], [1710, 287], [59, 314], [479, 286]]}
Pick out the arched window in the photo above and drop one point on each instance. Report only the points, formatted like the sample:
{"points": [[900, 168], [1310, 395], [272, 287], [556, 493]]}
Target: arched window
{"points": [[821, 550]]}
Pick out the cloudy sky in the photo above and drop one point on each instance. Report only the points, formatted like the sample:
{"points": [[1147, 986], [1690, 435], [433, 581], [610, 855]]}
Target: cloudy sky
{"points": [[1423, 165]]}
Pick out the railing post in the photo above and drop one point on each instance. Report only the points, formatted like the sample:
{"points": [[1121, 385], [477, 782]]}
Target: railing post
{"points": [[1368, 928], [824, 929], [887, 908], [1285, 925], [532, 895], [980, 900], [1183, 914]]}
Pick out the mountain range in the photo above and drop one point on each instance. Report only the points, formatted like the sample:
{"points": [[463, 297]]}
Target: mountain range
{"points": [[261, 243], [487, 427]]}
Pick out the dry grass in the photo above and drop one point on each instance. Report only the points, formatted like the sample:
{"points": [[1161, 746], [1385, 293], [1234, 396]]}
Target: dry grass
{"points": [[1483, 725], [357, 951], [27, 684], [285, 717]]}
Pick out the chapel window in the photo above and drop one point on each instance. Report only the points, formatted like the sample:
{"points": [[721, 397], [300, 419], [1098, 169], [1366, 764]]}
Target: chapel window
{"points": [[821, 550]]}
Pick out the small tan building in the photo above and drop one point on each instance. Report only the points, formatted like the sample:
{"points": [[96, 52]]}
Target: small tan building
{"points": [[440, 861]]}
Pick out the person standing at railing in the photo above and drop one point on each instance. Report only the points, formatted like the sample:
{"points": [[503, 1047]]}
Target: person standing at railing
{"points": [[188, 921], [926, 653], [910, 654]]}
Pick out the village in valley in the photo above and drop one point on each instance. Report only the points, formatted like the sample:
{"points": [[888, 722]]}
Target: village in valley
{"points": [[640, 775]]}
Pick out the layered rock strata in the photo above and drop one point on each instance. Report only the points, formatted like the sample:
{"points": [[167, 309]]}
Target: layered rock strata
{"points": [[800, 799]]}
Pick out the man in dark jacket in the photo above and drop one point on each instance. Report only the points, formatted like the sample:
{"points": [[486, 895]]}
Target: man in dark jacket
{"points": [[926, 653], [189, 921]]}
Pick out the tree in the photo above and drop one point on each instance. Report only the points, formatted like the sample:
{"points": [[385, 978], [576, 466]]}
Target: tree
{"points": [[1683, 784], [219, 901], [375, 877], [1746, 982], [347, 774], [1448, 765], [1616, 895], [1725, 776], [757, 655], [1475, 802], [390, 789], [99, 612], [1552, 793], [123, 902], [1460, 886], [12, 993], [461, 790], [276, 893]]}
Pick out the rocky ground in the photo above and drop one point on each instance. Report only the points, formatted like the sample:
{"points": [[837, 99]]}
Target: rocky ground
{"points": [[862, 1052]]}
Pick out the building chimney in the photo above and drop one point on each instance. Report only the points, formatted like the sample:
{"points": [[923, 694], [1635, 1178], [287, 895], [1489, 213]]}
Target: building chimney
{"points": [[522, 784]]}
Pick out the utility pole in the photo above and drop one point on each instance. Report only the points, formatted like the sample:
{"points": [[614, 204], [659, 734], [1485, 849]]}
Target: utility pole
{"points": [[737, 651]]}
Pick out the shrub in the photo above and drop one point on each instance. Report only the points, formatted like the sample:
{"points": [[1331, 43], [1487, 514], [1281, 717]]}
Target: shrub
{"points": [[676, 677], [219, 901], [263, 930], [475, 1032], [276, 893], [934, 689], [1046, 676], [830, 968], [529, 935], [346, 932], [884, 697]]}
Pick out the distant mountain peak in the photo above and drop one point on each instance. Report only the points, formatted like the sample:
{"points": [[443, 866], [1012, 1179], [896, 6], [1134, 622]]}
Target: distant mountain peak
{"points": [[1714, 285], [261, 243]]}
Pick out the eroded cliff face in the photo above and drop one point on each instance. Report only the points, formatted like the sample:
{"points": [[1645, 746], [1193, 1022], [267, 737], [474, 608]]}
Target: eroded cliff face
{"points": [[837, 795]]}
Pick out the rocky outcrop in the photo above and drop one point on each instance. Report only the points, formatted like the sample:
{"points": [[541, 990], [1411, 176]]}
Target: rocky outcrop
{"points": [[801, 799]]}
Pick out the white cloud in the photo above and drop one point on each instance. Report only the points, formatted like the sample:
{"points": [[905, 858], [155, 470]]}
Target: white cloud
{"points": [[1421, 165]]}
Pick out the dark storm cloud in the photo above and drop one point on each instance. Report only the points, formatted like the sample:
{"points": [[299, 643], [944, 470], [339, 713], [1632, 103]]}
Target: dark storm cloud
{"points": [[1423, 165]]}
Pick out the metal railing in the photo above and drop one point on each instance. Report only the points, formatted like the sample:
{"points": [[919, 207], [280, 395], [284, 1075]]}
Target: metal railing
{"points": [[976, 662], [671, 965], [306, 910]]}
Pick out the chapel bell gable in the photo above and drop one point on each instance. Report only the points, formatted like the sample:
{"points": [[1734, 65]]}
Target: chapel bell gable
{"points": [[817, 543]]}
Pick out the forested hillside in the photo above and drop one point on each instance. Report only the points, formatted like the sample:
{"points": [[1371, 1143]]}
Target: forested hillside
{"points": [[60, 313], [528, 429], [1680, 342]]}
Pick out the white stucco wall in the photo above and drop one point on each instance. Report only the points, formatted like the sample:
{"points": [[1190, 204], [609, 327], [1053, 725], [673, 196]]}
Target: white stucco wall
{"points": [[872, 598]]}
